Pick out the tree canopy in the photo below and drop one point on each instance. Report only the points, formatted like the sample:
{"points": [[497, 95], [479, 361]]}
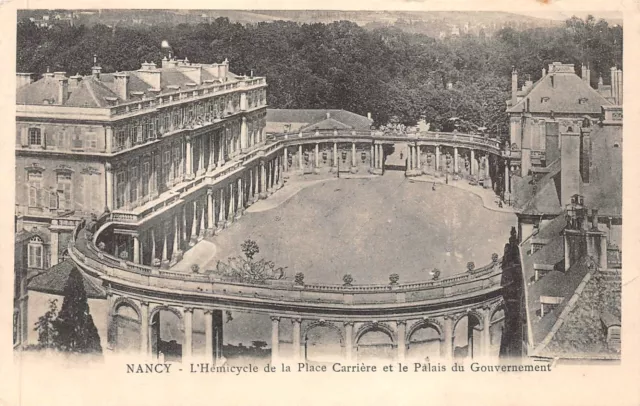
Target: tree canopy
{"points": [[395, 75]]}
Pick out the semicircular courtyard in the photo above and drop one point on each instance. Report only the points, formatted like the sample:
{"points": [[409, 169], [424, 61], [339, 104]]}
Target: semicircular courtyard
{"points": [[369, 228]]}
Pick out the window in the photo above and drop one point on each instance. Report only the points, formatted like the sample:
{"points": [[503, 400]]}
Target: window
{"points": [[583, 100], [133, 184], [35, 253], [121, 183], [34, 180], [35, 136], [177, 168], [166, 120], [77, 142], [544, 100], [166, 165], [64, 191], [146, 172], [121, 138]]}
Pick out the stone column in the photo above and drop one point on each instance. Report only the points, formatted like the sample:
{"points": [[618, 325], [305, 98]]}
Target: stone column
{"points": [[144, 328], [232, 203], [263, 181], [212, 152], [472, 164], [210, 201], [348, 340], [275, 339], [506, 179], [164, 242], [136, 249], [221, 148], [446, 348], [184, 222], [418, 156], [353, 154], [300, 157], [240, 199], [380, 156], [455, 159], [243, 135], [402, 344], [153, 244], [188, 157], [316, 163], [335, 154], [187, 345], [109, 183], [409, 157], [296, 338], [176, 236], [372, 157], [208, 335], [203, 214], [437, 157], [222, 210], [201, 169], [194, 222], [286, 159], [486, 332]]}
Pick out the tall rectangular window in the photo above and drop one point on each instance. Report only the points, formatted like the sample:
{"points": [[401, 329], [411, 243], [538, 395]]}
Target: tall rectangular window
{"points": [[34, 180], [177, 168], [133, 184], [64, 191], [121, 184], [166, 165], [146, 172], [35, 250], [121, 139]]}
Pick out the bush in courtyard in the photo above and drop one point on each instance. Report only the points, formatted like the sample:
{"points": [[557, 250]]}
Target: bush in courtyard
{"points": [[250, 249], [435, 274], [124, 255], [195, 268], [470, 266], [299, 278], [102, 246], [494, 257], [347, 279], [394, 278]]}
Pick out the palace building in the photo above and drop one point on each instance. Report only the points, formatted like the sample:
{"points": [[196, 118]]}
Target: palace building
{"points": [[570, 219]]}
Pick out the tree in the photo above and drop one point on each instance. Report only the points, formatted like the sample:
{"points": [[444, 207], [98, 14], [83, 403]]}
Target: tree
{"points": [[250, 249], [74, 328], [45, 327]]}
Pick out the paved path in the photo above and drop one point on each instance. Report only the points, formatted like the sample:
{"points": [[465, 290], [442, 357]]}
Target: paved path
{"points": [[489, 198]]}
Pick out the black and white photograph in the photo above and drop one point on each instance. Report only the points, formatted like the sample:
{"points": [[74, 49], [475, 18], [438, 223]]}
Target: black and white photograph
{"points": [[216, 191]]}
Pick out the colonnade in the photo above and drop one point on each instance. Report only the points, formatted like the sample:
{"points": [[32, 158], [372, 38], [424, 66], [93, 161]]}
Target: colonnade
{"points": [[456, 160], [205, 214]]}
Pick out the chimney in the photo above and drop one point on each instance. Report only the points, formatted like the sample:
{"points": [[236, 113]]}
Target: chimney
{"points": [[165, 62], [514, 87], [569, 167], [588, 76], [544, 72], [96, 70], [63, 87], [583, 73], [369, 115], [600, 82], [23, 79], [121, 80], [150, 75], [74, 81], [328, 114], [594, 219], [619, 82], [614, 85], [194, 73]]}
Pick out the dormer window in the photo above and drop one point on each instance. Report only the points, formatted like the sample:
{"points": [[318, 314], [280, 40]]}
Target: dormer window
{"points": [[583, 100], [548, 303], [544, 99]]}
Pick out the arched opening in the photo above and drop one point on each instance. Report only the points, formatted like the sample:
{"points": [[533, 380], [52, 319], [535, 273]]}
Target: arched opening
{"points": [[495, 331], [167, 335], [126, 328], [424, 343], [322, 343], [467, 336], [374, 345]]}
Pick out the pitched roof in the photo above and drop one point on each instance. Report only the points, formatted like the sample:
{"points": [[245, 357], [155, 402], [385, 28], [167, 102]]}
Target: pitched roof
{"points": [[90, 92], [546, 199], [561, 92], [305, 118], [604, 190], [55, 278], [43, 91]]}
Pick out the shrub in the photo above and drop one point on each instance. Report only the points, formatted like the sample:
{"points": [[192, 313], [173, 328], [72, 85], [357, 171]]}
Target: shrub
{"points": [[347, 279]]}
